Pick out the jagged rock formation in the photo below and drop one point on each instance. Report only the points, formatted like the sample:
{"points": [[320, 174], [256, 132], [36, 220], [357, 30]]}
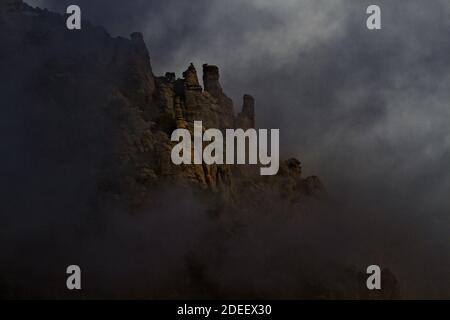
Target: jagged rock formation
{"points": [[108, 84], [183, 101]]}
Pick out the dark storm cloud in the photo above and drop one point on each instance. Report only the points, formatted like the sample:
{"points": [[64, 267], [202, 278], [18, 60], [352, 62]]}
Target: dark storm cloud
{"points": [[164, 23], [367, 111]]}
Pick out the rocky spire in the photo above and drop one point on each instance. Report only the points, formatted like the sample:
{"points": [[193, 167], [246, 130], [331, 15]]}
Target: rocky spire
{"points": [[213, 88], [191, 79], [246, 119], [248, 108], [211, 80]]}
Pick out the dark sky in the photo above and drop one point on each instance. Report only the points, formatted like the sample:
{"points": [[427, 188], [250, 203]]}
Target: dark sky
{"points": [[367, 111]]}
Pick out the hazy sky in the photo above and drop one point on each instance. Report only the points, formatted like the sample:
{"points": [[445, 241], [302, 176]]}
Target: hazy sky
{"points": [[367, 111]]}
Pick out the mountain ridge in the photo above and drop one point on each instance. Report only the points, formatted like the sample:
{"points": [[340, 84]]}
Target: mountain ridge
{"points": [[119, 72]]}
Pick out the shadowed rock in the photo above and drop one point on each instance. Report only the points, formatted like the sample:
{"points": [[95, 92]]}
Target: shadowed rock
{"points": [[246, 119]]}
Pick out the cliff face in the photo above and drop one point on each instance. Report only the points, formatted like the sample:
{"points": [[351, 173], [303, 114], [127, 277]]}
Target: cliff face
{"points": [[103, 88]]}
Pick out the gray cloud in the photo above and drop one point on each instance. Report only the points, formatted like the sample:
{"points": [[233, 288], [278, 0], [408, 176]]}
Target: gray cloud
{"points": [[367, 111]]}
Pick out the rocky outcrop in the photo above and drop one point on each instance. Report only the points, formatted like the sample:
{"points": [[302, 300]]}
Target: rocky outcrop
{"points": [[212, 85], [108, 87]]}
